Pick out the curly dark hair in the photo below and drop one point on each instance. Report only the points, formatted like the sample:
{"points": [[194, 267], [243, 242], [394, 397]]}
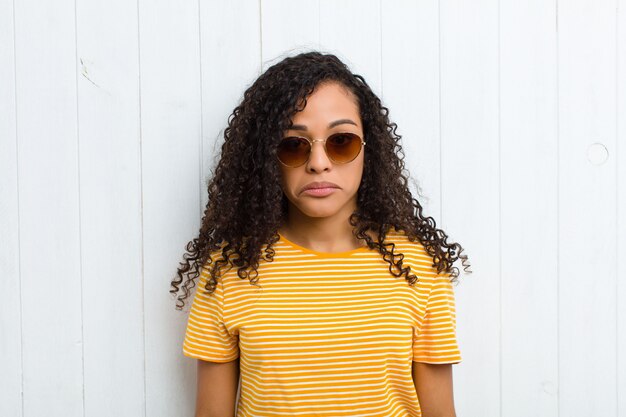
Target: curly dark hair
{"points": [[246, 204]]}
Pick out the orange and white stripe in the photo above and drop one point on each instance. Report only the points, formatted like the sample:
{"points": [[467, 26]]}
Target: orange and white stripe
{"points": [[327, 334]]}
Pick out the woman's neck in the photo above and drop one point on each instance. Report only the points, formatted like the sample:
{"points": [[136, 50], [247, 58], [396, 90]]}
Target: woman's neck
{"points": [[321, 234]]}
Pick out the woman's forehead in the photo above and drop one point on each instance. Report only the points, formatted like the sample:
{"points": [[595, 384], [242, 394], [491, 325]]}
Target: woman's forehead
{"points": [[330, 106]]}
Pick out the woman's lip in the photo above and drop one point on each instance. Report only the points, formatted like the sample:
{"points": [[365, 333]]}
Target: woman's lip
{"points": [[319, 184], [319, 192]]}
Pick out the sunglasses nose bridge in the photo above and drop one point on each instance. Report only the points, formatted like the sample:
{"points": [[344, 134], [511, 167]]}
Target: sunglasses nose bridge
{"points": [[323, 145]]}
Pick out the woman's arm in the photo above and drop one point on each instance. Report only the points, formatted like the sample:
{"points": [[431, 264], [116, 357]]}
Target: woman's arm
{"points": [[217, 388], [433, 384]]}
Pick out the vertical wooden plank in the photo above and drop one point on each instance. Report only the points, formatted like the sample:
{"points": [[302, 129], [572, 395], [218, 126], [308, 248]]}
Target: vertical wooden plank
{"points": [[110, 207], [230, 56], [529, 175], [470, 177], [10, 315], [620, 248], [587, 198], [351, 30], [191, 57], [621, 206], [49, 208], [410, 78], [170, 130], [231, 61], [288, 27]]}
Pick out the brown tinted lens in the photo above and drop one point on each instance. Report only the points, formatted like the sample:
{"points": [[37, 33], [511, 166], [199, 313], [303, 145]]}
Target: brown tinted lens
{"points": [[293, 151], [343, 147]]}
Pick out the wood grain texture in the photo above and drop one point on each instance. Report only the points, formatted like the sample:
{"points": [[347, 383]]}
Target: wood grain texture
{"points": [[470, 192], [10, 285], [49, 217], [351, 30], [110, 207], [288, 28], [587, 217], [620, 248], [171, 123], [529, 204], [410, 90]]}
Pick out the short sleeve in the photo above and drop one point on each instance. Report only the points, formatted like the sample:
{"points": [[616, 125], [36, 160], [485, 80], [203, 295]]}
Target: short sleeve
{"points": [[434, 341], [207, 337]]}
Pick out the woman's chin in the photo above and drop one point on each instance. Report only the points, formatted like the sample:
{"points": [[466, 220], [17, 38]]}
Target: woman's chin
{"points": [[319, 213], [321, 207], [318, 209]]}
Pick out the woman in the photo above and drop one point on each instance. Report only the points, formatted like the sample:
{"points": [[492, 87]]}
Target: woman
{"points": [[320, 281]]}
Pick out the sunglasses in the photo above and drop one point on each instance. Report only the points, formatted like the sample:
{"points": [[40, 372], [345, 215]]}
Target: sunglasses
{"points": [[341, 148]]}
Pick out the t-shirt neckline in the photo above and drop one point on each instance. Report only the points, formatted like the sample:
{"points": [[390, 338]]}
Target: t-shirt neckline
{"points": [[322, 254]]}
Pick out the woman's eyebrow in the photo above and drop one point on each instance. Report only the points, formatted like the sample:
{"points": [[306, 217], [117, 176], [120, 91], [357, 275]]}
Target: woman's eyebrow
{"points": [[330, 125]]}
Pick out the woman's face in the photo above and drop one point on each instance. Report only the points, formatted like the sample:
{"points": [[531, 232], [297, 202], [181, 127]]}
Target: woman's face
{"points": [[329, 109]]}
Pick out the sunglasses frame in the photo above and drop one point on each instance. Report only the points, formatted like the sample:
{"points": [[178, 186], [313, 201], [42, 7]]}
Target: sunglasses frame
{"points": [[311, 142]]}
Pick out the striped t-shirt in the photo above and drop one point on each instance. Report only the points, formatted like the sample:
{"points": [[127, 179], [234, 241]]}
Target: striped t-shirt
{"points": [[327, 334]]}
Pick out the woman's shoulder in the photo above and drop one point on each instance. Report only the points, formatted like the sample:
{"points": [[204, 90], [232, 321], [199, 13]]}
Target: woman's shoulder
{"points": [[414, 253], [215, 254], [402, 240]]}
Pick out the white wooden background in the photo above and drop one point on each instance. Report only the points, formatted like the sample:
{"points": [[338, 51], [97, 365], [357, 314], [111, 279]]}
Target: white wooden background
{"points": [[513, 116]]}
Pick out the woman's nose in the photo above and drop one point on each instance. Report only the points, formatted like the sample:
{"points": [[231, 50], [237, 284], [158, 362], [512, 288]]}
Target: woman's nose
{"points": [[318, 160]]}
